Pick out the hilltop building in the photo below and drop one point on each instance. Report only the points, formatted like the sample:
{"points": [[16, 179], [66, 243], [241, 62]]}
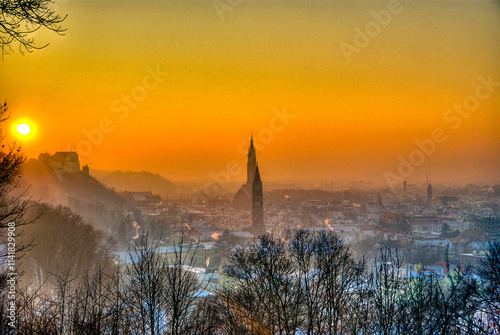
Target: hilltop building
{"points": [[61, 161]]}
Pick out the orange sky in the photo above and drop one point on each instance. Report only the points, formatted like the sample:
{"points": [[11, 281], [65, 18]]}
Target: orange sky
{"points": [[352, 120]]}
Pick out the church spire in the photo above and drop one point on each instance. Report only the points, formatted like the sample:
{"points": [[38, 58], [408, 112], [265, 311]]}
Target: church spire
{"points": [[257, 174], [258, 226], [429, 194], [252, 162]]}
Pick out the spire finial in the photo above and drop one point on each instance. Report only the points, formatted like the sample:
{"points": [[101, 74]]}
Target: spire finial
{"points": [[251, 139]]}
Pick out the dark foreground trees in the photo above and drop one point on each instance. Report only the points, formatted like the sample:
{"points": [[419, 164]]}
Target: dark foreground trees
{"points": [[490, 293], [63, 243], [161, 289], [145, 293], [312, 284]]}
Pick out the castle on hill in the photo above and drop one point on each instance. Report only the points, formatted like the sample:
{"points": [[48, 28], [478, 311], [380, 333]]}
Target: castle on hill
{"points": [[60, 162]]}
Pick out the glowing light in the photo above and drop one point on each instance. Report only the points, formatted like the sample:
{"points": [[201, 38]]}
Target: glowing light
{"points": [[23, 129], [327, 223], [215, 236], [137, 227]]}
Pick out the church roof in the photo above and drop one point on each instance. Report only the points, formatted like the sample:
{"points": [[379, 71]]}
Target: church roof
{"points": [[257, 175]]}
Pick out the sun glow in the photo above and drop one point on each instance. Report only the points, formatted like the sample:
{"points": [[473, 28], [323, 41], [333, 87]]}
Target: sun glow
{"points": [[23, 129]]}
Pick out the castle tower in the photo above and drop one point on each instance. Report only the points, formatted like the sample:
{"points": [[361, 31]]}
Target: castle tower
{"points": [[258, 226]]}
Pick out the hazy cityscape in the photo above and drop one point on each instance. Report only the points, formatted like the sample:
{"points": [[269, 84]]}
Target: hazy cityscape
{"points": [[249, 167]]}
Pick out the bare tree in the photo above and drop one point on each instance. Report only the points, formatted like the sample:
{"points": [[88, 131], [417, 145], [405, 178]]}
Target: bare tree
{"points": [[304, 253], [36, 313], [162, 287], [386, 284], [265, 292], [209, 317], [180, 288], [453, 305], [119, 312], [307, 284], [489, 294], [146, 276], [415, 304], [330, 278], [339, 277], [90, 312], [19, 19]]}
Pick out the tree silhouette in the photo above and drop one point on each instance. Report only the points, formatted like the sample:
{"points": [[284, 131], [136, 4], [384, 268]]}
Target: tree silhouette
{"points": [[19, 19], [13, 205], [489, 270]]}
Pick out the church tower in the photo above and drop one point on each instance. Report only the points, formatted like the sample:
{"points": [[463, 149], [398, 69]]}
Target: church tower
{"points": [[252, 161], [429, 194], [257, 205], [243, 198]]}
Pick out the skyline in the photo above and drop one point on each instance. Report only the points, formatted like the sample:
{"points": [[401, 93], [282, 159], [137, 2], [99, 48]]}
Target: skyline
{"points": [[198, 86]]}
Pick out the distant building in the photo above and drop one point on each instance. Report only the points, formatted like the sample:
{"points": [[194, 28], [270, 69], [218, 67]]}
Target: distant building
{"points": [[393, 220], [242, 237], [86, 169], [243, 198], [471, 236], [425, 224], [472, 259], [200, 255], [449, 201], [146, 202], [432, 223], [490, 224], [429, 194], [430, 251]]}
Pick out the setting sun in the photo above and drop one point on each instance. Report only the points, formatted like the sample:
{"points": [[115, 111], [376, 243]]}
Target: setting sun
{"points": [[23, 129]]}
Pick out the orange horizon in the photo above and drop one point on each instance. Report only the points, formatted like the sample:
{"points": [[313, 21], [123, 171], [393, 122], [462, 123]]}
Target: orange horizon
{"points": [[171, 88]]}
